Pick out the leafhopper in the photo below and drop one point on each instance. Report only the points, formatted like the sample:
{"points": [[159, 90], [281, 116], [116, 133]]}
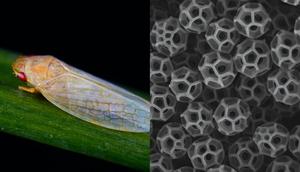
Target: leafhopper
{"points": [[83, 95]]}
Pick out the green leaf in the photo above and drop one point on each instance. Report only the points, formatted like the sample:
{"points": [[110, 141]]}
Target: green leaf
{"points": [[32, 116]]}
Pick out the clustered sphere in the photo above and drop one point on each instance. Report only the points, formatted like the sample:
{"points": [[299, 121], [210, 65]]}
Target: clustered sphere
{"points": [[195, 15], [272, 139], [225, 85], [231, 116], [284, 86], [197, 119], [294, 142], [222, 36], [252, 20], [163, 103], [253, 91], [206, 152], [161, 163], [286, 49], [217, 70], [284, 164], [167, 37], [244, 155], [252, 58], [173, 140], [160, 68], [186, 84]]}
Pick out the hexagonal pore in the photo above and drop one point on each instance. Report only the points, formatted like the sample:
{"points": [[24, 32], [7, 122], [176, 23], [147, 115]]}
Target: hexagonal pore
{"points": [[251, 57]]}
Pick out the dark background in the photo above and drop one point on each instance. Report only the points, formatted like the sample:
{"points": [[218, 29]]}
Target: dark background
{"points": [[107, 39]]}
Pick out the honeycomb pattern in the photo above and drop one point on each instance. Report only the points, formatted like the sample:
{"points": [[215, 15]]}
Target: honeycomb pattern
{"points": [[284, 86], [222, 35], [160, 68], [285, 49], [160, 163], [195, 15], [186, 84], [197, 119], [252, 58], [217, 70], [252, 91], [271, 139], [283, 164], [231, 116], [252, 20], [167, 37], [294, 142], [206, 152], [173, 140], [224, 75], [244, 155], [163, 103]]}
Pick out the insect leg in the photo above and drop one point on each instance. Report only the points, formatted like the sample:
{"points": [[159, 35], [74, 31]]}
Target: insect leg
{"points": [[28, 89]]}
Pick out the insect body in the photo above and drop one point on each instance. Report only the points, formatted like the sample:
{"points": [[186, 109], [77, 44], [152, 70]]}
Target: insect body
{"points": [[83, 95]]}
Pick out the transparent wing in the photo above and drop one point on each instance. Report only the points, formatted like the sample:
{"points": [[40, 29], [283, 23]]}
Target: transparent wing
{"points": [[97, 102]]}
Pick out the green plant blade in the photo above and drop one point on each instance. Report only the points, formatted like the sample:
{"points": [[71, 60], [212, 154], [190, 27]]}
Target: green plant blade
{"points": [[33, 117]]}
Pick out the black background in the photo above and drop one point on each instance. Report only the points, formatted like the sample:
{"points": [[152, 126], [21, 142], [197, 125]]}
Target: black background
{"points": [[109, 40]]}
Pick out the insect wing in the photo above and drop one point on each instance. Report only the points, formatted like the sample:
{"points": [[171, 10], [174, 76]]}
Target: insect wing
{"points": [[96, 101]]}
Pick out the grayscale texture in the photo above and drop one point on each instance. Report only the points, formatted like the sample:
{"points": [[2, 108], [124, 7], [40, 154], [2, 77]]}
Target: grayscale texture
{"points": [[225, 85]]}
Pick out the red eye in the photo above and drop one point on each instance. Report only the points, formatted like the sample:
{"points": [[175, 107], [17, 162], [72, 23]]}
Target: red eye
{"points": [[22, 76]]}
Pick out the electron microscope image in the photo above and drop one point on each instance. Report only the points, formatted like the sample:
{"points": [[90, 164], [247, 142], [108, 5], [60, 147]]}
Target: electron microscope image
{"points": [[225, 85]]}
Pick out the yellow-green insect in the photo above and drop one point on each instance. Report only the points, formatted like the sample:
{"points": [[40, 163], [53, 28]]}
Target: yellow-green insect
{"points": [[83, 95]]}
